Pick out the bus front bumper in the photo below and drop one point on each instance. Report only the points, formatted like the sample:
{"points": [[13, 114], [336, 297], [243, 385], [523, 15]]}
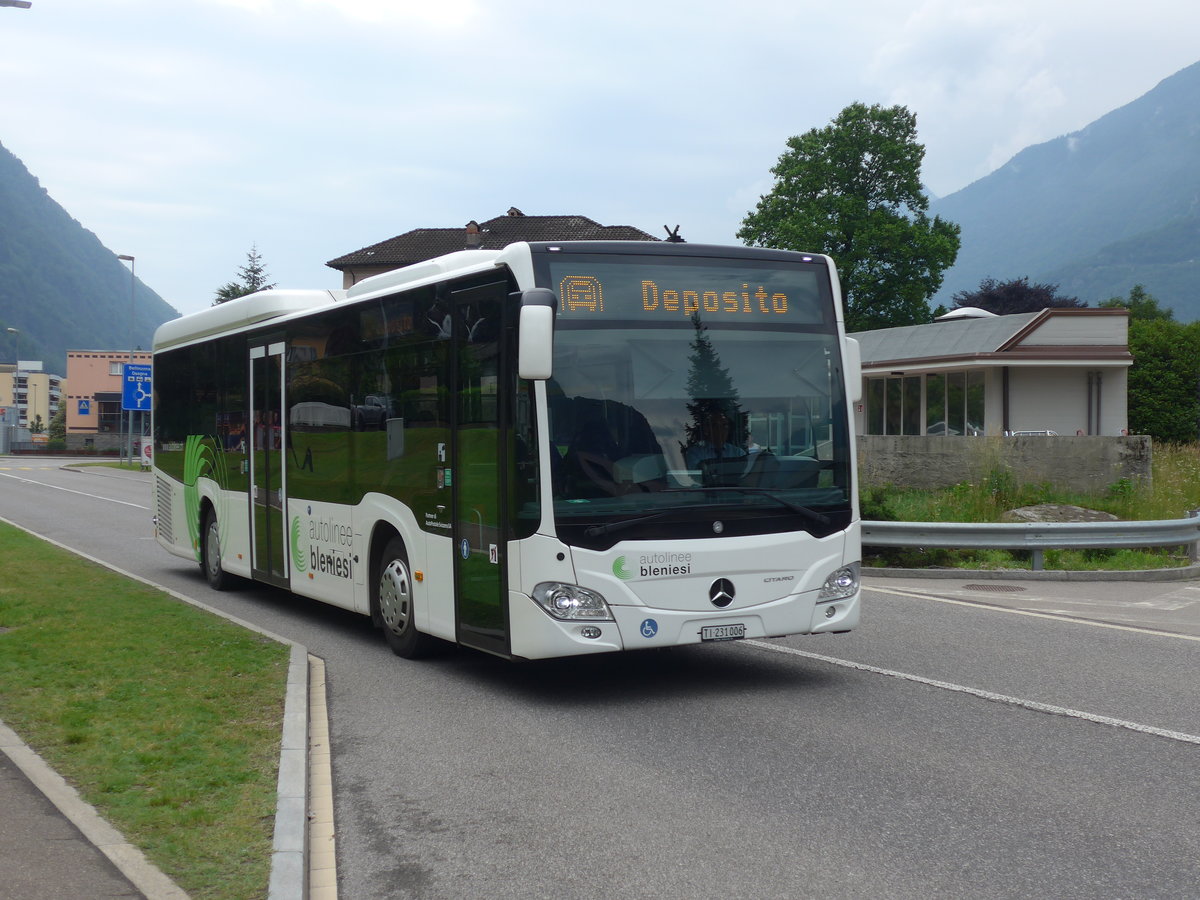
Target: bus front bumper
{"points": [[537, 635]]}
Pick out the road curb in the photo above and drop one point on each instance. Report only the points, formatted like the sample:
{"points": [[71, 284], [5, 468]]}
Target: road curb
{"points": [[289, 855]]}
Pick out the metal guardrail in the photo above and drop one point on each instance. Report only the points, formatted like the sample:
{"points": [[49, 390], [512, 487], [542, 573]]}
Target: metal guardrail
{"points": [[1035, 536]]}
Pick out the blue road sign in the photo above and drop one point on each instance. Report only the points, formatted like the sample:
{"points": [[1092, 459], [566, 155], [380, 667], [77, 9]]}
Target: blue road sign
{"points": [[85, 407], [136, 395]]}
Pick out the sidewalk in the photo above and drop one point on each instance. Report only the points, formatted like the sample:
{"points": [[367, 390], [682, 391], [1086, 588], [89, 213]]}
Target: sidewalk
{"points": [[50, 840], [42, 855]]}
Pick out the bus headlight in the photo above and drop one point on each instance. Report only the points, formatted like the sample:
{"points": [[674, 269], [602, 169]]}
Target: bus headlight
{"points": [[570, 601], [841, 584]]}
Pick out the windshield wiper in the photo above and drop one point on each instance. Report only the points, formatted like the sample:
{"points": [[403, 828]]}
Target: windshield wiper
{"points": [[597, 530], [811, 514]]}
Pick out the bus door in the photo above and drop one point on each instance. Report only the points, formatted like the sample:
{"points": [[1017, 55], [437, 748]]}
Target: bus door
{"points": [[479, 460], [268, 484]]}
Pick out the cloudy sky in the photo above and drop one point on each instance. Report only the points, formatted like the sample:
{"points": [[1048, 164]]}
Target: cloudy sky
{"points": [[184, 132]]}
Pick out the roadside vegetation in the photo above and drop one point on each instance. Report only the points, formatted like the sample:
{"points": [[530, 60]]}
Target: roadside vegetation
{"points": [[114, 463], [166, 718], [1173, 490]]}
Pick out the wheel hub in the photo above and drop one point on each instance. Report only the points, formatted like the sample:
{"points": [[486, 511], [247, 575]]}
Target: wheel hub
{"points": [[212, 549], [395, 596]]}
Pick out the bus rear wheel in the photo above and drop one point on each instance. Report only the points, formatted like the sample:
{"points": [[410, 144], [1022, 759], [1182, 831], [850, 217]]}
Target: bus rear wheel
{"points": [[393, 603], [210, 554]]}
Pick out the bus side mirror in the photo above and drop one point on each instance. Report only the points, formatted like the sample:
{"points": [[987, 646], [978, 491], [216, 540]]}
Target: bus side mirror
{"points": [[535, 330], [852, 366]]}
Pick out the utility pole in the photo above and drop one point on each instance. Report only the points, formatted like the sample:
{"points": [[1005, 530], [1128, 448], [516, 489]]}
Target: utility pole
{"points": [[132, 289]]}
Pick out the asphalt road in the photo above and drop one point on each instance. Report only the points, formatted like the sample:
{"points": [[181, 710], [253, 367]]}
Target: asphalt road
{"points": [[947, 748]]}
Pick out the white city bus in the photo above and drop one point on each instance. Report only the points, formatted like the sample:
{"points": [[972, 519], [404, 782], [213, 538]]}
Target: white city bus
{"points": [[546, 450]]}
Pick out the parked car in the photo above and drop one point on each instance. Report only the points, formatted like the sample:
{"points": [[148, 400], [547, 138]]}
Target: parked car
{"points": [[372, 414]]}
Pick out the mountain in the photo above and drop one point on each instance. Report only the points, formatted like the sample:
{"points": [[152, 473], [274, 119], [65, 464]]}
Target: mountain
{"points": [[1097, 211], [60, 288]]}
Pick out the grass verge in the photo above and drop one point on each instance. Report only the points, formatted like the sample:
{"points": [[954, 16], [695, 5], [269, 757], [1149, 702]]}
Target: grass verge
{"points": [[166, 718], [1173, 490], [109, 464]]}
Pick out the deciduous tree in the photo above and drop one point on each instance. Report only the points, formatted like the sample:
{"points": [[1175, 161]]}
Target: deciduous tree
{"points": [[1165, 376], [1141, 305], [853, 190], [1164, 379], [57, 431], [1005, 298]]}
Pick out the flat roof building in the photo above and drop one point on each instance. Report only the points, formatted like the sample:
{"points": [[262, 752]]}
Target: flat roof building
{"points": [[1061, 370], [96, 380]]}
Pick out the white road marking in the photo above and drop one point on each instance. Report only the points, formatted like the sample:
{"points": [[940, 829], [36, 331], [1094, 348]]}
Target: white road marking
{"points": [[990, 696], [1164, 604], [1044, 614], [69, 491]]}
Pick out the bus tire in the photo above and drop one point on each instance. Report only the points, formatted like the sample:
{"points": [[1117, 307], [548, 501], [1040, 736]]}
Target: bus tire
{"points": [[210, 554], [392, 601]]}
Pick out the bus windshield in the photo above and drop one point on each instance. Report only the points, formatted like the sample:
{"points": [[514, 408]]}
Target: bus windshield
{"points": [[695, 386]]}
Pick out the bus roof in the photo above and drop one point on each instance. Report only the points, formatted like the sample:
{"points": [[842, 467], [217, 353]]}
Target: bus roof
{"points": [[271, 304], [233, 314], [428, 270]]}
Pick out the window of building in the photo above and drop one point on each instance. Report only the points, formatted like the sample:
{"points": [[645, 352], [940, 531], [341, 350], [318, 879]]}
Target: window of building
{"points": [[894, 405], [954, 403]]}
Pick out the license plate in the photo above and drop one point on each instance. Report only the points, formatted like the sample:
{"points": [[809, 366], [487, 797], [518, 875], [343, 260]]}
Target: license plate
{"points": [[722, 632]]}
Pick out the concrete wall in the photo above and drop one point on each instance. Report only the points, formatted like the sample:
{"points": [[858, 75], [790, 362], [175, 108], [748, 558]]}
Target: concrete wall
{"points": [[1085, 464], [103, 442]]}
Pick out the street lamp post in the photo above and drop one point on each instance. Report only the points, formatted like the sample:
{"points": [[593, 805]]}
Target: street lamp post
{"points": [[12, 429], [132, 286]]}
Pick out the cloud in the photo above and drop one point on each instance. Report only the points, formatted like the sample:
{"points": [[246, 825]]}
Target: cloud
{"points": [[408, 13], [182, 132], [987, 79]]}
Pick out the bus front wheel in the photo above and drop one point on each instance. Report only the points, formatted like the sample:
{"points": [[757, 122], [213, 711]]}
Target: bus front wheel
{"points": [[210, 554], [393, 602]]}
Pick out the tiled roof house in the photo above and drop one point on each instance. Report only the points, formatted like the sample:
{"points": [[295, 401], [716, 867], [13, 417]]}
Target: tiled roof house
{"points": [[421, 244]]}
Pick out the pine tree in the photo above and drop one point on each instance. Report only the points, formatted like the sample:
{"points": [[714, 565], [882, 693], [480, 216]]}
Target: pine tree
{"points": [[253, 278], [711, 389]]}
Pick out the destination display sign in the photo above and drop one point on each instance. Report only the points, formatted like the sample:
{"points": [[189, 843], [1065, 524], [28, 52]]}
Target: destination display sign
{"points": [[650, 290]]}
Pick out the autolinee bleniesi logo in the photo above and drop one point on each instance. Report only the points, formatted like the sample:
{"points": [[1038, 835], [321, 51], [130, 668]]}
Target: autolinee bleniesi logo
{"points": [[298, 558], [654, 565], [619, 569], [330, 549]]}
